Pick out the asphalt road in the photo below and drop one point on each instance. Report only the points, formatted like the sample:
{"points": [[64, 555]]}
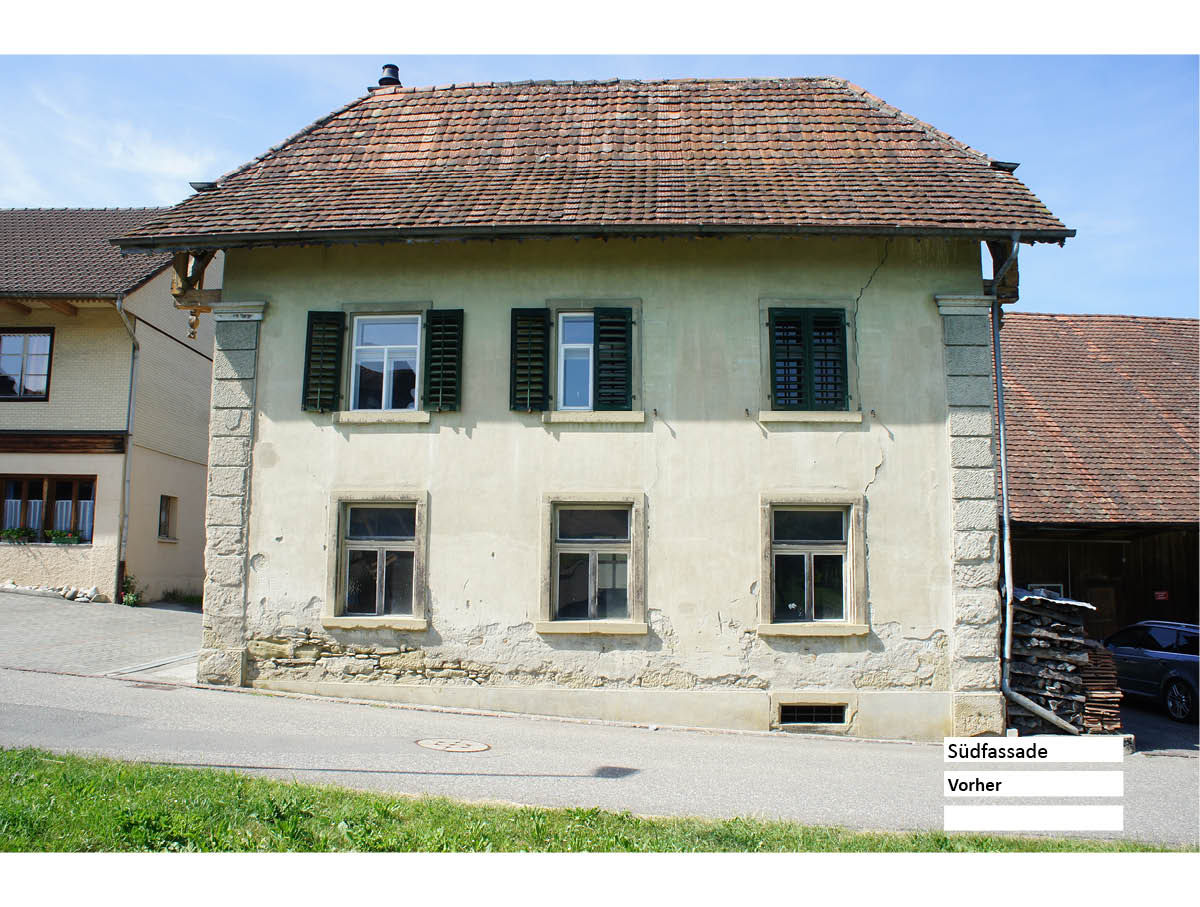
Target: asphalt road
{"points": [[856, 784]]}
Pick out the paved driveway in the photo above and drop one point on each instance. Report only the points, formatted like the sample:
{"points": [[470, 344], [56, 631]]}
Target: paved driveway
{"points": [[52, 634]]}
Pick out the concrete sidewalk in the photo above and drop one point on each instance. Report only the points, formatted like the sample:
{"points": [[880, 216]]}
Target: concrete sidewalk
{"points": [[48, 632], [545, 762]]}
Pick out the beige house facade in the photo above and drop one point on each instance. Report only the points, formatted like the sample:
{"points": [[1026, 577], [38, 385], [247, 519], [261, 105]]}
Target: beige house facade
{"points": [[731, 476], [103, 410]]}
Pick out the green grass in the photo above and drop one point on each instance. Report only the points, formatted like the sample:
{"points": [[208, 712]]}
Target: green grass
{"points": [[50, 802]]}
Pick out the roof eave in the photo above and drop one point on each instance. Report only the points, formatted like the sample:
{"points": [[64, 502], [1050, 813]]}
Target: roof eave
{"points": [[181, 241]]}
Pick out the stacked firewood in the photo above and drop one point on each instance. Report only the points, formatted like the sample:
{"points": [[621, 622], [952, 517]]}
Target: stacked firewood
{"points": [[1102, 710], [1055, 665]]}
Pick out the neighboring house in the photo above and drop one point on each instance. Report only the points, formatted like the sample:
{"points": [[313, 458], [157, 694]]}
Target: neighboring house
{"points": [[103, 408], [1103, 454], [664, 402]]}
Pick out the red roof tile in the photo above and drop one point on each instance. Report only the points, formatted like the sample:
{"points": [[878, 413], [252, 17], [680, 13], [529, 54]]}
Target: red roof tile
{"points": [[794, 155], [66, 252], [1102, 417]]}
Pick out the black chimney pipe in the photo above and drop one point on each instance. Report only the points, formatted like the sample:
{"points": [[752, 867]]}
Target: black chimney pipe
{"points": [[391, 75]]}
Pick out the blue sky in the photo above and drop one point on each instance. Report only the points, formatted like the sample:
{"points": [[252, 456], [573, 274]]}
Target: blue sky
{"points": [[1109, 143]]}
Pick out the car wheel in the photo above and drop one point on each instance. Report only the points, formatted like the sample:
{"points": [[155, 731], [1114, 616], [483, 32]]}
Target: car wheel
{"points": [[1180, 700]]}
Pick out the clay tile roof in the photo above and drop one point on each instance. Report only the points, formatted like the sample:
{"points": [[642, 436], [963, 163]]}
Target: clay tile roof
{"points": [[67, 252], [770, 155], [1102, 417]]}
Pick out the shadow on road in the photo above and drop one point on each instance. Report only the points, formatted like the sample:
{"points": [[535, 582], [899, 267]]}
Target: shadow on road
{"points": [[1154, 731]]}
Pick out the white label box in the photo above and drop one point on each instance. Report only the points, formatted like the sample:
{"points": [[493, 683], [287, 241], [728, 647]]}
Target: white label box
{"points": [[1033, 818], [1033, 750], [1033, 784]]}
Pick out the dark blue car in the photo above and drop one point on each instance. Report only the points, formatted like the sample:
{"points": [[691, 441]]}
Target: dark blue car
{"points": [[1159, 658]]}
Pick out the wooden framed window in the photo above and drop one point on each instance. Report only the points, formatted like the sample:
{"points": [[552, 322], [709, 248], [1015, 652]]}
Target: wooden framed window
{"points": [[378, 559], [813, 566], [46, 504], [591, 556], [576, 358], [808, 564], [167, 507], [25, 355]]}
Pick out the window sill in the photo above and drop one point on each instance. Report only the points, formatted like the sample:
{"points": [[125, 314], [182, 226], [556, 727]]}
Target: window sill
{"points": [[794, 415], [368, 622], [592, 627], [581, 416], [167, 540], [379, 417], [813, 628]]}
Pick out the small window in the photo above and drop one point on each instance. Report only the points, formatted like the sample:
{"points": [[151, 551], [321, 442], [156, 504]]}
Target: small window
{"points": [[808, 564], [25, 363], [812, 714], [386, 352], [591, 563], [378, 556], [576, 349], [44, 508], [166, 516]]}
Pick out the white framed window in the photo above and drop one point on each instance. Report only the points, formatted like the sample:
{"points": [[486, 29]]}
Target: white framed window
{"points": [[813, 566], [591, 562], [385, 358], [25, 363], [576, 349], [378, 559]]}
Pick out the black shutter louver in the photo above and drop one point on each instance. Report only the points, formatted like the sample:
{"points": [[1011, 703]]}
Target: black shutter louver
{"points": [[789, 384], [808, 359], [827, 347], [613, 360], [529, 366], [443, 360], [323, 362]]}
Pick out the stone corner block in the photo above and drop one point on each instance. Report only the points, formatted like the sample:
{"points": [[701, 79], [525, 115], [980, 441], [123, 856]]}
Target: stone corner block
{"points": [[225, 511], [968, 360], [229, 452], [977, 641], [974, 674], [975, 514], [232, 393], [227, 480], [236, 335], [967, 329], [229, 363], [227, 422], [222, 667], [974, 482], [977, 714], [971, 421], [970, 452], [977, 606], [968, 390], [974, 546]]}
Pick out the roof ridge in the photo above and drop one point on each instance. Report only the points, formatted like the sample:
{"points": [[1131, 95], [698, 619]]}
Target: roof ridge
{"points": [[932, 131], [567, 83], [80, 210]]}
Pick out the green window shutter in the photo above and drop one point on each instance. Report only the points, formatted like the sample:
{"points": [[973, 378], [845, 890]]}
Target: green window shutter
{"points": [[529, 367], [443, 360], [323, 362], [808, 359], [827, 354], [612, 363], [789, 359]]}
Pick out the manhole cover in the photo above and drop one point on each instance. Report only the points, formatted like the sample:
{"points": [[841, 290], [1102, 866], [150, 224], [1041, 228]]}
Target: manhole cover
{"points": [[447, 745]]}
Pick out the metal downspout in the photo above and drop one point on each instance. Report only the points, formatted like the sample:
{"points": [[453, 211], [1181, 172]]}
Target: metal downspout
{"points": [[1002, 442], [126, 478]]}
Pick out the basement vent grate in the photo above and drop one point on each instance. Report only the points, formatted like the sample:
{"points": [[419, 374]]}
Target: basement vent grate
{"points": [[812, 714]]}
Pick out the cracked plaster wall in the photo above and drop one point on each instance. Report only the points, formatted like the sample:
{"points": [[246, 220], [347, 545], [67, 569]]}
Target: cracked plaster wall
{"points": [[701, 461]]}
